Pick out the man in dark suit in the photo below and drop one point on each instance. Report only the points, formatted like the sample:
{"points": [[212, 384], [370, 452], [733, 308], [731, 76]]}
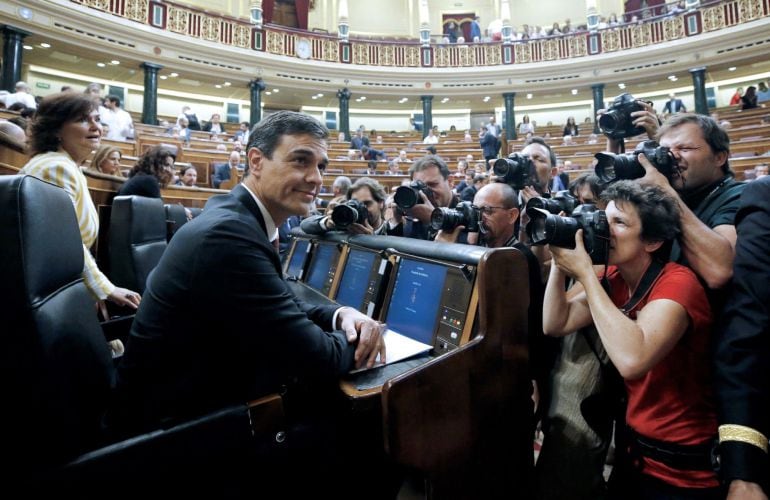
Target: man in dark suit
{"points": [[674, 105], [222, 170], [220, 326], [742, 378]]}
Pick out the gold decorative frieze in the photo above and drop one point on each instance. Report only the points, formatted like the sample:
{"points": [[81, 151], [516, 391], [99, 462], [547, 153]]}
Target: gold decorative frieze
{"points": [[611, 40], [241, 36], [177, 20], [276, 43], [713, 18], [577, 46], [330, 50], [550, 49], [523, 52], [673, 28], [210, 27], [411, 56], [466, 55], [387, 55], [442, 57], [493, 54], [748, 10], [97, 4], [360, 53], [640, 35], [136, 10]]}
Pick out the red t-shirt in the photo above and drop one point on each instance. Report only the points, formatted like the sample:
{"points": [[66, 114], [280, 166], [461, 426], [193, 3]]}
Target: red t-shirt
{"points": [[674, 401], [735, 99]]}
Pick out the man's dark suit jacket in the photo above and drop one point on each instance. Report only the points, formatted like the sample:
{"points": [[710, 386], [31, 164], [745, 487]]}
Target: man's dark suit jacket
{"points": [[218, 324], [674, 106], [742, 374]]}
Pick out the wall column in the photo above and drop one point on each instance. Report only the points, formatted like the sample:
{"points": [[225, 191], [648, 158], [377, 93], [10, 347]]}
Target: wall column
{"points": [[510, 119], [699, 90], [598, 92], [150, 104], [344, 96], [13, 45], [256, 87], [427, 114]]}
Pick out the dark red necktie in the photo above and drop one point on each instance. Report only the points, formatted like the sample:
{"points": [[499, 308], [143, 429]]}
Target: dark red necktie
{"points": [[276, 244]]}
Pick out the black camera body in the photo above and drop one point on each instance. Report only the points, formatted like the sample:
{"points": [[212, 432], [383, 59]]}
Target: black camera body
{"points": [[548, 229], [350, 212], [517, 171], [408, 196], [561, 201], [617, 122], [464, 214], [611, 167]]}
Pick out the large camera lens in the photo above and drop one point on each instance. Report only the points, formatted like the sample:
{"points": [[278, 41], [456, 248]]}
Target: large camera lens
{"points": [[549, 229], [351, 212], [408, 196], [514, 170], [610, 122], [445, 219], [561, 202], [611, 167]]}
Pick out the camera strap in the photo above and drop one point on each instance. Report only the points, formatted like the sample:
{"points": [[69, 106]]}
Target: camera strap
{"points": [[651, 275]]}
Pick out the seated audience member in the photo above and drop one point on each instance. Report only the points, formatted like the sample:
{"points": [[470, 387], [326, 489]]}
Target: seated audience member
{"points": [[242, 134], [341, 137], [479, 181], [340, 188], [154, 170], [368, 153], [192, 119], [402, 157], [749, 99], [222, 170], [592, 139], [185, 357], [431, 138], [371, 167], [763, 92], [358, 141], [188, 177], [670, 418], [107, 160], [182, 131], [369, 192], [760, 171], [525, 127], [571, 127], [23, 95], [393, 168], [567, 141], [743, 354], [62, 136], [415, 221], [213, 125], [354, 154], [467, 137], [431, 150], [13, 136]]}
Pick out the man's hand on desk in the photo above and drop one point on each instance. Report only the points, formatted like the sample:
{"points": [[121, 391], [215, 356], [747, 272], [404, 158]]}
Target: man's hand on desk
{"points": [[367, 332]]}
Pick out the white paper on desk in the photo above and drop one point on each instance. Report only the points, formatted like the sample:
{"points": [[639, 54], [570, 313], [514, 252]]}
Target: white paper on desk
{"points": [[397, 348]]}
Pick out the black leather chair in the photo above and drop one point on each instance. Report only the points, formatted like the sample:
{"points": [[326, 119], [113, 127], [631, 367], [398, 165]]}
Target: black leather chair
{"points": [[57, 377], [175, 218], [138, 237]]}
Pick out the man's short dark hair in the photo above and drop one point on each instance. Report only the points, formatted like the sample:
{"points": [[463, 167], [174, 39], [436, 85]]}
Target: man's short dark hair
{"points": [[375, 188], [185, 169], [593, 182], [54, 111], [428, 161], [712, 133], [657, 211], [267, 133], [113, 98], [542, 142], [431, 149]]}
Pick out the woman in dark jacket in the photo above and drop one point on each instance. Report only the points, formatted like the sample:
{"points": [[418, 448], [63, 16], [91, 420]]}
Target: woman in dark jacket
{"points": [[749, 99], [153, 171], [571, 127]]}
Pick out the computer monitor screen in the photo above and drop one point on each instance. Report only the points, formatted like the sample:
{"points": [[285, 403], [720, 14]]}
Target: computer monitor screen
{"points": [[358, 277], [297, 261], [323, 265], [415, 299]]}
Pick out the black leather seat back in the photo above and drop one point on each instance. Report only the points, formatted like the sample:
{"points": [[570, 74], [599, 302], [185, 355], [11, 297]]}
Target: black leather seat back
{"points": [[56, 372], [137, 239], [177, 216]]}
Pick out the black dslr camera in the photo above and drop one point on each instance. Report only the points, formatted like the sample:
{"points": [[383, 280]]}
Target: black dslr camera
{"points": [[611, 167], [617, 122], [464, 214], [548, 229], [562, 201], [409, 196], [350, 212], [517, 171]]}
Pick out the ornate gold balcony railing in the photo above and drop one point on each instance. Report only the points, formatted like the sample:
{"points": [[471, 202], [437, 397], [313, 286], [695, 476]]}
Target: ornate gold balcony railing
{"points": [[281, 41]]}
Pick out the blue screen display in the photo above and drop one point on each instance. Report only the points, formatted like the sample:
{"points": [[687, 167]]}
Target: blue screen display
{"points": [[297, 261], [323, 258], [415, 300], [355, 278]]}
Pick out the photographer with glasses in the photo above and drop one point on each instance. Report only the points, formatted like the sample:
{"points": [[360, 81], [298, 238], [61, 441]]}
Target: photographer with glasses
{"points": [[361, 214]]}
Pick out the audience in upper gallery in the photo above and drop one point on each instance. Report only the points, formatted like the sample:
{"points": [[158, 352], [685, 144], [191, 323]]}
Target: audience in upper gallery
{"points": [[107, 160], [222, 170], [365, 190], [154, 170], [525, 127], [571, 127], [213, 125], [763, 92], [736, 97], [188, 177], [749, 99], [63, 134]]}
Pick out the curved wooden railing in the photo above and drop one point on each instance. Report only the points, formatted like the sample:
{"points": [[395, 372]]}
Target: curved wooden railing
{"points": [[281, 41]]}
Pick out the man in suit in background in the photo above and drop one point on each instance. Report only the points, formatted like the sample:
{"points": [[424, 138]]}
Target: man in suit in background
{"points": [[743, 353], [674, 105], [221, 326], [222, 170]]}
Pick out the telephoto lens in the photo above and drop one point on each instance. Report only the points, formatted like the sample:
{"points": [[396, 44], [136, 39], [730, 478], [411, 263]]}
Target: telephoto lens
{"points": [[350, 212], [447, 219], [409, 196], [517, 170]]}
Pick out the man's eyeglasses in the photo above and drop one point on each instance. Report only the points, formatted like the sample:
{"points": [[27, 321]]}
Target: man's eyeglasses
{"points": [[488, 210]]}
